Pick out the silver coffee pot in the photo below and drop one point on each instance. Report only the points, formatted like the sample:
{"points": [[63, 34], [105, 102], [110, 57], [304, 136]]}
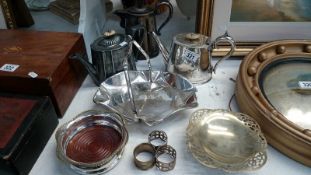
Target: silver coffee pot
{"points": [[191, 55]]}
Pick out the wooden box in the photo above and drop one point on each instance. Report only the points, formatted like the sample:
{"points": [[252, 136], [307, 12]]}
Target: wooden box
{"points": [[33, 62], [26, 124]]}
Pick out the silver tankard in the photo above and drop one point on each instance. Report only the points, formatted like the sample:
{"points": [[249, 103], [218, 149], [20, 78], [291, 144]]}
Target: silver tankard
{"points": [[191, 55]]}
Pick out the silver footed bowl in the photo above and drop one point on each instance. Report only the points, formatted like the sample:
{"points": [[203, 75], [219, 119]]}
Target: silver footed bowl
{"points": [[92, 143], [226, 140], [154, 100]]}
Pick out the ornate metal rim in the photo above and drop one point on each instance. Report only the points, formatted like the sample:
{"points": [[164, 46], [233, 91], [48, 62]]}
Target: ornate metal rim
{"points": [[255, 161], [251, 99], [87, 116]]}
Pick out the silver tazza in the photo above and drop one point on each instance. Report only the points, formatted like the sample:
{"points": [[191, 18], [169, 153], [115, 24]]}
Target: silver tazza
{"points": [[191, 55]]}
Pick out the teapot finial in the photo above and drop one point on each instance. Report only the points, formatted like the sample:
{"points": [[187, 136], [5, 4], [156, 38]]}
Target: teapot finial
{"points": [[110, 32], [192, 36]]}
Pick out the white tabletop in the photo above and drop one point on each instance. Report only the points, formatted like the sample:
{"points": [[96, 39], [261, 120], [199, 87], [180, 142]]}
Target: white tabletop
{"points": [[213, 95]]}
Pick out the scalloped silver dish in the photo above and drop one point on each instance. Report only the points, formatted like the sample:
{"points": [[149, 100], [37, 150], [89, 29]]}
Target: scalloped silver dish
{"points": [[226, 140], [154, 100]]}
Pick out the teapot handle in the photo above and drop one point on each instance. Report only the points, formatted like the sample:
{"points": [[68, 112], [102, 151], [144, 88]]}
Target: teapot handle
{"points": [[170, 14], [223, 38]]}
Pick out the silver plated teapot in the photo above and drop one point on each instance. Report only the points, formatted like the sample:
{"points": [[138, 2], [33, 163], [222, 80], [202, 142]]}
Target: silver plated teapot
{"points": [[108, 55], [191, 55]]}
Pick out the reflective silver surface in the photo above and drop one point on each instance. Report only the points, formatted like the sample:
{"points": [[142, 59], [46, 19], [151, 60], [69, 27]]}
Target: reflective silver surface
{"points": [[108, 54], [154, 100], [107, 157], [191, 55], [226, 140], [282, 87]]}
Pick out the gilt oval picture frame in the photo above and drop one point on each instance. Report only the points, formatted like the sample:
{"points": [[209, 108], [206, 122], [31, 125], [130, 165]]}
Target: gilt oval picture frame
{"points": [[265, 81]]}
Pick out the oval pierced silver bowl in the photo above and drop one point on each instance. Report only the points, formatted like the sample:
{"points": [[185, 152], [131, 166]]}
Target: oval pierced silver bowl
{"points": [[226, 140], [92, 142], [154, 99]]}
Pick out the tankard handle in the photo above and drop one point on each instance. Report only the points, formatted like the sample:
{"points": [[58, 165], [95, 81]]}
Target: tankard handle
{"points": [[223, 38], [170, 14]]}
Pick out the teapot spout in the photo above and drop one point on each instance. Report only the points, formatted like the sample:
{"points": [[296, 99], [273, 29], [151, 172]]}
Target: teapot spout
{"points": [[88, 66], [163, 49]]}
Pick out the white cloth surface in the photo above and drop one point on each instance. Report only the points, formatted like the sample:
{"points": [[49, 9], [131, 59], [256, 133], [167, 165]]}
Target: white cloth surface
{"points": [[92, 21], [214, 94]]}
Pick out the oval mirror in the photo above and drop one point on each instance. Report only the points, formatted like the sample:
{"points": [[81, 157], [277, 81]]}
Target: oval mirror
{"points": [[274, 87], [287, 86]]}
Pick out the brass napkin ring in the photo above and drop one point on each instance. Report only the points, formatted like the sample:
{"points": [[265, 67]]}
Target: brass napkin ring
{"points": [[144, 147], [166, 149], [157, 135]]}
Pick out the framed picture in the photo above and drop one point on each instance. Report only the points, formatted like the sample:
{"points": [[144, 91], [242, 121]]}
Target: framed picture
{"points": [[252, 23], [6, 15]]}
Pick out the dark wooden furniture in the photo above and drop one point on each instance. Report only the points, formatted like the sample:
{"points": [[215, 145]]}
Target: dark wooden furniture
{"points": [[44, 64], [26, 124]]}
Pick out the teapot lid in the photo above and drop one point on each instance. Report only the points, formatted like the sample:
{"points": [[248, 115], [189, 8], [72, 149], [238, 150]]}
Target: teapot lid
{"points": [[140, 8], [110, 41], [191, 39], [140, 11]]}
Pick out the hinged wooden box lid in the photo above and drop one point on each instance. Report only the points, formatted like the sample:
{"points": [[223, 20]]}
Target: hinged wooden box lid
{"points": [[38, 63], [26, 124]]}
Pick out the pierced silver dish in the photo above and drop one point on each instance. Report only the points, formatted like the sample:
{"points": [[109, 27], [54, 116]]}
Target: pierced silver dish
{"points": [[153, 100], [226, 140]]}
